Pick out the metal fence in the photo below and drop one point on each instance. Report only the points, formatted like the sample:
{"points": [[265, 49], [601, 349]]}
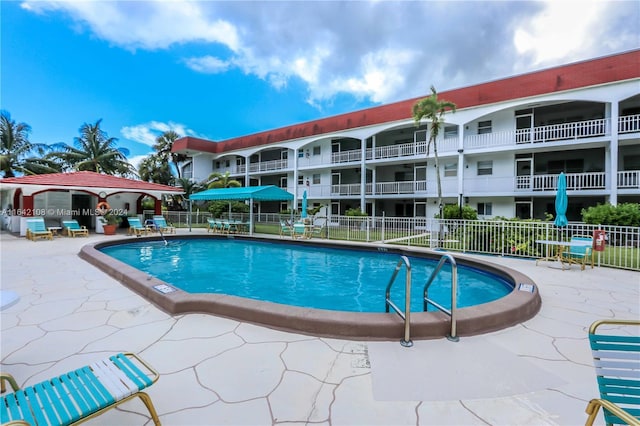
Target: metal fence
{"points": [[495, 237]]}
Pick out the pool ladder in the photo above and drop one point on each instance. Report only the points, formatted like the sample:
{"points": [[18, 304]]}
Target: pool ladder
{"points": [[406, 315]]}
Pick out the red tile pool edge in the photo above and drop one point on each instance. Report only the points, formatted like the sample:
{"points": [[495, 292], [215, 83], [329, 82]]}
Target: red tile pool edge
{"points": [[515, 308]]}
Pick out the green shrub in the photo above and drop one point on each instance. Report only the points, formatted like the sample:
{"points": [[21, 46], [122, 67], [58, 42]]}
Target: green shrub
{"points": [[355, 212], [626, 214], [218, 208], [452, 211]]}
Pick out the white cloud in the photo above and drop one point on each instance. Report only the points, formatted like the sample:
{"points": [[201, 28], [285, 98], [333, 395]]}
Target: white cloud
{"points": [[144, 24], [148, 132], [560, 31], [379, 50], [137, 159], [208, 64]]}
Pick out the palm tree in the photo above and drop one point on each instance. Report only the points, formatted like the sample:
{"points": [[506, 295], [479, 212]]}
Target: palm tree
{"points": [[189, 187], [153, 169], [95, 151], [219, 180], [163, 146], [433, 109], [16, 152]]}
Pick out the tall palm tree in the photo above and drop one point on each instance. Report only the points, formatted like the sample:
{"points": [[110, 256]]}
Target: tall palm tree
{"points": [[219, 180], [433, 109], [189, 187], [163, 146], [95, 151], [154, 169], [17, 153]]}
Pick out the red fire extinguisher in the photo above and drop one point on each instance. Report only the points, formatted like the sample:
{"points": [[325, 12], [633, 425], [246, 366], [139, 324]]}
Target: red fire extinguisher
{"points": [[599, 240]]}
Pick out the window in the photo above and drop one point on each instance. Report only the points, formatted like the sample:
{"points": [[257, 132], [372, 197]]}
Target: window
{"points": [[450, 131], [300, 153], [227, 163], [484, 127], [485, 168], [451, 169], [316, 179], [316, 150], [217, 166], [485, 209], [300, 180], [187, 171]]}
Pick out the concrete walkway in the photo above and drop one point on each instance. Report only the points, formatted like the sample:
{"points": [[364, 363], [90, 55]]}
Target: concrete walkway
{"points": [[216, 371]]}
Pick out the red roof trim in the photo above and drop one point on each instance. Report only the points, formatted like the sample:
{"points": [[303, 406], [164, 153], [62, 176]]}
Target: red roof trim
{"points": [[89, 180], [592, 72]]}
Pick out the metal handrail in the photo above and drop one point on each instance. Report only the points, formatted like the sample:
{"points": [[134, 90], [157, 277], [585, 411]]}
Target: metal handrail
{"points": [[454, 288], [407, 302]]}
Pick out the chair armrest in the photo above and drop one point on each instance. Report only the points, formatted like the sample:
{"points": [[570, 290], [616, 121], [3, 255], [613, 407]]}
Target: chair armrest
{"points": [[594, 406], [6, 377]]}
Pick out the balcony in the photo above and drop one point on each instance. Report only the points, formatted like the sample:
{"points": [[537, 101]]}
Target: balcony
{"points": [[381, 188], [629, 179], [629, 124], [549, 182], [269, 166]]}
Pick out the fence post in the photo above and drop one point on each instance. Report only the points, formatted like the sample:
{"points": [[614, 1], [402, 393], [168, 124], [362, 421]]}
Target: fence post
{"points": [[382, 229]]}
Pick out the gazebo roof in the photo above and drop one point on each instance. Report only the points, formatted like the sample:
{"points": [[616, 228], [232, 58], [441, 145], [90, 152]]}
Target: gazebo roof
{"points": [[256, 193], [84, 180]]}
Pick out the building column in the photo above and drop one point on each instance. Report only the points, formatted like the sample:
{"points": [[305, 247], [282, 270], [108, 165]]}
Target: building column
{"points": [[158, 207], [461, 164], [27, 205], [612, 174]]}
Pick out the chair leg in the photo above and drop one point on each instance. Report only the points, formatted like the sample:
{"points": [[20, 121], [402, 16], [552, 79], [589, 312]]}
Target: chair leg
{"points": [[152, 410]]}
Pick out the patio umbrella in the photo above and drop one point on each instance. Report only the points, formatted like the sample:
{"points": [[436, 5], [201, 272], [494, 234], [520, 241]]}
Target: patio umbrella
{"points": [[561, 202], [303, 214]]}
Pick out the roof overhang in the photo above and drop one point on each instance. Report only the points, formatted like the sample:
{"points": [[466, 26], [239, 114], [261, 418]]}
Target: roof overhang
{"points": [[255, 193]]}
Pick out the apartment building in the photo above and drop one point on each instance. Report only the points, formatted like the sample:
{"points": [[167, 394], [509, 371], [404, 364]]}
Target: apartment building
{"points": [[501, 152]]}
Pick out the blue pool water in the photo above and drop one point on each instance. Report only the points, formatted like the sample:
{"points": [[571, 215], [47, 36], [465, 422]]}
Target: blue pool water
{"points": [[307, 276]]}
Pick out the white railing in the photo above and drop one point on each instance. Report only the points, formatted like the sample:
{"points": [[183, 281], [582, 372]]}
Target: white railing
{"points": [[553, 132], [575, 181], [495, 237], [409, 187], [346, 156], [346, 189], [266, 166], [629, 179], [629, 123]]}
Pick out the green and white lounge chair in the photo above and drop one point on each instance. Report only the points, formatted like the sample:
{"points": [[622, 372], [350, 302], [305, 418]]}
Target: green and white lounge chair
{"points": [[79, 395], [616, 356], [73, 228], [579, 254], [37, 229], [136, 227], [161, 225]]}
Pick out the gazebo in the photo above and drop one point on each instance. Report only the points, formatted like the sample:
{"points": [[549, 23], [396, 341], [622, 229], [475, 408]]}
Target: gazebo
{"points": [[75, 195], [251, 193]]}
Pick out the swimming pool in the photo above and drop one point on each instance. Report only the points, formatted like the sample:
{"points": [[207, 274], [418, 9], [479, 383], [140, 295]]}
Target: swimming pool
{"points": [[312, 277], [519, 305]]}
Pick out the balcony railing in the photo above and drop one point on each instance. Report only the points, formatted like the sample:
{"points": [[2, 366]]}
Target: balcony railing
{"points": [[629, 179], [267, 166], [629, 124], [540, 134], [549, 182], [346, 156]]}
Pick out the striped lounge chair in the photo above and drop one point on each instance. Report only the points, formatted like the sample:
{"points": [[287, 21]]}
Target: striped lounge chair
{"points": [[616, 356], [79, 395]]}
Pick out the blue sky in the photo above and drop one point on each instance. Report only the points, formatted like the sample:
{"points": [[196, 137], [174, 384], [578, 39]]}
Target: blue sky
{"points": [[223, 69]]}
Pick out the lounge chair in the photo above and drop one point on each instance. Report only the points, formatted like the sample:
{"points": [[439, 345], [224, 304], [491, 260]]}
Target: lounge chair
{"points": [[136, 228], [285, 229], [73, 228], [81, 394], [37, 229], [318, 231], [301, 230], [580, 252], [161, 225], [616, 357]]}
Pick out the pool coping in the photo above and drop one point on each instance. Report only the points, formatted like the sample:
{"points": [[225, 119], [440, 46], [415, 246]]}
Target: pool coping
{"points": [[521, 304]]}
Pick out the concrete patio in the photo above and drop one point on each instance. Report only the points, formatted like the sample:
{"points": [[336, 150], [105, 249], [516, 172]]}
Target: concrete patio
{"points": [[216, 371]]}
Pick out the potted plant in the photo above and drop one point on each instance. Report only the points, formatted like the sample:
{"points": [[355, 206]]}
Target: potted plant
{"points": [[111, 222]]}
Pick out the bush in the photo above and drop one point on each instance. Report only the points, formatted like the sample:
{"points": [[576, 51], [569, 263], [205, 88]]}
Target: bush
{"points": [[218, 208], [626, 214], [452, 211], [355, 212]]}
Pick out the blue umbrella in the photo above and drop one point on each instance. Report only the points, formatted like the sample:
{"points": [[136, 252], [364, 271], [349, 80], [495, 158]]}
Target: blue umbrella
{"points": [[561, 202], [303, 214]]}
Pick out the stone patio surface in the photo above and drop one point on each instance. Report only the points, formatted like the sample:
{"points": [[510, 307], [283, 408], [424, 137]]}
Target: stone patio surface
{"points": [[217, 371]]}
